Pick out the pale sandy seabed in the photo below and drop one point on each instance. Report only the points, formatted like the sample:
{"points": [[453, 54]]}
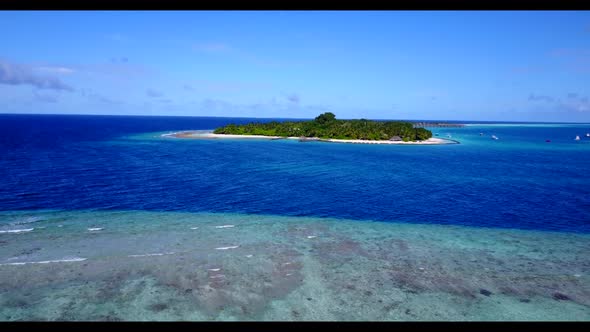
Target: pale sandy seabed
{"points": [[210, 135], [139, 265]]}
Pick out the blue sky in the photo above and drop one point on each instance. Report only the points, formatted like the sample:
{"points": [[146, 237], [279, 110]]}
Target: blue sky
{"points": [[453, 65]]}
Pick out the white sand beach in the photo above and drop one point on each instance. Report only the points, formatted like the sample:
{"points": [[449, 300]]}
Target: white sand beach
{"points": [[210, 135]]}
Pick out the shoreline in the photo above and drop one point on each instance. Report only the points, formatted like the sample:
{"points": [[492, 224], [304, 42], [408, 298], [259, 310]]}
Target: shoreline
{"points": [[211, 135]]}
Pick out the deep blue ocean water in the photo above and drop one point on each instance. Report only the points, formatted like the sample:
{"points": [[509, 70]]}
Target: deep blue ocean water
{"points": [[121, 163]]}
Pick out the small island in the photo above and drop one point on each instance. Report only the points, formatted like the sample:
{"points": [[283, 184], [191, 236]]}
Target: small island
{"points": [[326, 128]]}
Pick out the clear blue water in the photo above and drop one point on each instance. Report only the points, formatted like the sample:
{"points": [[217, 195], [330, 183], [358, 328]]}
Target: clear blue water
{"points": [[121, 163], [102, 218]]}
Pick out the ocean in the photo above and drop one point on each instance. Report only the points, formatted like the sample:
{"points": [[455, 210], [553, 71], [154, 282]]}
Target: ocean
{"points": [[103, 218]]}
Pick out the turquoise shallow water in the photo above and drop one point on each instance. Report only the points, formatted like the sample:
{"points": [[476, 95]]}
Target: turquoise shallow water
{"points": [[222, 266]]}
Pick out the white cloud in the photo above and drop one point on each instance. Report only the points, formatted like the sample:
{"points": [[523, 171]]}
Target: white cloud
{"points": [[55, 70], [17, 74]]}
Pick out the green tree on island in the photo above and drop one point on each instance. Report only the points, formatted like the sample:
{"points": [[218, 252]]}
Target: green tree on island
{"points": [[325, 118], [327, 126]]}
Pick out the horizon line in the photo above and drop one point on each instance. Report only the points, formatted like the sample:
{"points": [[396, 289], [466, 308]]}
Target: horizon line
{"points": [[246, 117]]}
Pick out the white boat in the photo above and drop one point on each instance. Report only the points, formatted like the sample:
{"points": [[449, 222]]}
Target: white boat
{"points": [[494, 137], [577, 138], [587, 134]]}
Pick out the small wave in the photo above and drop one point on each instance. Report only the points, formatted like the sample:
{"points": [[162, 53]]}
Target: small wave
{"points": [[217, 276], [28, 220], [94, 229], [66, 260], [225, 248], [194, 227], [154, 254], [214, 270], [225, 226], [248, 256], [311, 236], [17, 230]]}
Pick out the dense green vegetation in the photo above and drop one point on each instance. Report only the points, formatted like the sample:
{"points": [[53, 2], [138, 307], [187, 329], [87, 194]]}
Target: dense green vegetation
{"points": [[327, 126]]}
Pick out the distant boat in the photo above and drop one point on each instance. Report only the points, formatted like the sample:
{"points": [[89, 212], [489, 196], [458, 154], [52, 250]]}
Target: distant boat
{"points": [[494, 137], [587, 134], [577, 138], [548, 140]]}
